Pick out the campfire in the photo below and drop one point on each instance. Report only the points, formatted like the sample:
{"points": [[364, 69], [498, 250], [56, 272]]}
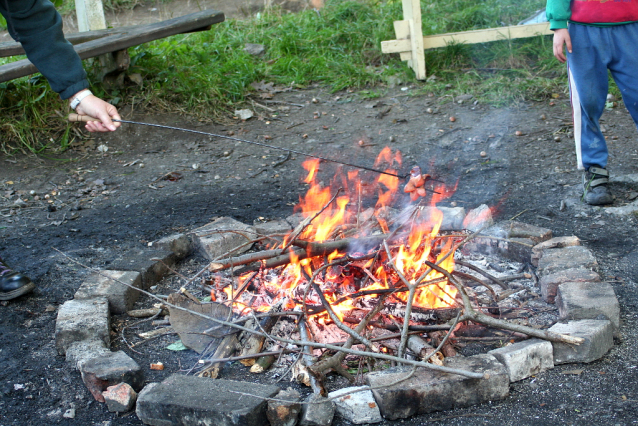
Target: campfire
{"points": [[360, 276]]}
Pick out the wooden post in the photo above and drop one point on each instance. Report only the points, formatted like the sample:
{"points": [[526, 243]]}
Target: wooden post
{"points": [[90, 15], [410, 30]]}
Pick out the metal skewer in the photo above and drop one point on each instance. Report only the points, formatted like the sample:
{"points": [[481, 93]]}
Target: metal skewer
{"points": [[78, 118]]}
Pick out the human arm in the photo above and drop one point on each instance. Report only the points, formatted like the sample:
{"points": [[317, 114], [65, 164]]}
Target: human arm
{"points": [[561, 40], [558, 13], [38, 27]]}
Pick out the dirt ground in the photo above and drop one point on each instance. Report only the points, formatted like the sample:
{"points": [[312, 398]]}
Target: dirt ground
{"points": [[106, 205]]}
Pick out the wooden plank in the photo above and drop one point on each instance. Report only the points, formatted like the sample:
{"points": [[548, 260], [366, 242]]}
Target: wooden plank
{"points": [[13, 48], [122, 40], [470, 37]]}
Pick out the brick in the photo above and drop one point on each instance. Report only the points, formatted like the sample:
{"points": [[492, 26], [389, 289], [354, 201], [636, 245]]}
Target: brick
{"points": [[598, 335], [79, 353], [110, 369], [429, 390], [282, 413], [526, 358], [179, 244], [189, 400], [108, 284], [356, 405], [152, 271], [212, 242], [80, 320], [583, 300], [120, 398], [556, 242], [318, 412], [549, 283], [555, 260]]}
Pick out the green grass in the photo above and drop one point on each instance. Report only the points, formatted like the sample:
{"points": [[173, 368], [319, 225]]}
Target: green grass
{"points": [[207, 75]]}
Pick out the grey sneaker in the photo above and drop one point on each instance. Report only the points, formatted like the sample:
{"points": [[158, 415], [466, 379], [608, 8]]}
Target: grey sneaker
{"points": [[595, 190]]}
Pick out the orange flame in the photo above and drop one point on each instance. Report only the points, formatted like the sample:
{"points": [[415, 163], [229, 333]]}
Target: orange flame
{"points": [[289, 284]]}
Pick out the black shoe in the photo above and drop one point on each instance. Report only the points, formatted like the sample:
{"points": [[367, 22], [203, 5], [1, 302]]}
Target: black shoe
{"points": [[595, 190], [13, 284]]}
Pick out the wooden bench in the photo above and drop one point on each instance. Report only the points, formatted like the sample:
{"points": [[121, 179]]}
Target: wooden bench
{"points": [[94, 43]]}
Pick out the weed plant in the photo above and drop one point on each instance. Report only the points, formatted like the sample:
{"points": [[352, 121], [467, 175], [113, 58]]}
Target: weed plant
{"points": [[207, 75]]}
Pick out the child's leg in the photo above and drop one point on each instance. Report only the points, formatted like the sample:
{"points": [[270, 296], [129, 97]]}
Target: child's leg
{"points": [[588, 84], [624, 65]]}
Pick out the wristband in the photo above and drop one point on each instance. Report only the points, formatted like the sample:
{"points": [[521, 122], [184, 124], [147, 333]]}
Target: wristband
{"points": [[76, 101]]}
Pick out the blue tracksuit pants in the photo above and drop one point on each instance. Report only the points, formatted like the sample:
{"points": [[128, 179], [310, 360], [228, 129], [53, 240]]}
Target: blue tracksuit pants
{"points": [[594, 51]]}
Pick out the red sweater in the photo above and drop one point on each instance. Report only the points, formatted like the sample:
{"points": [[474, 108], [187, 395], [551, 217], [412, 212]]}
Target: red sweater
{"points": [[604, 11]]}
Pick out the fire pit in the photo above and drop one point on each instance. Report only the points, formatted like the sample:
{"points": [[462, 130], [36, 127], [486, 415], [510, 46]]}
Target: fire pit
{"points": [[358, 286]]}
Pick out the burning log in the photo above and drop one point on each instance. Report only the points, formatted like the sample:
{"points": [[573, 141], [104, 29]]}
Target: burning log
{"points": [[251, 343], [305, 374], [307, 249], [424, 350], [226, 348]]}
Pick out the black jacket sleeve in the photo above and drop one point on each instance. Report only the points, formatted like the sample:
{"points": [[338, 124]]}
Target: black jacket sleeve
{"points": [[38, 27]]}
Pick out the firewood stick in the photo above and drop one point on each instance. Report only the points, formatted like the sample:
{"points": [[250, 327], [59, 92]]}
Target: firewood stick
{"points": [[315, 379], [471, 315], [252, 343], [226, 263], [484, 273], [340, 324], [338, 358], [262, 364], [478, 280], [227, 346], [309, 249]]}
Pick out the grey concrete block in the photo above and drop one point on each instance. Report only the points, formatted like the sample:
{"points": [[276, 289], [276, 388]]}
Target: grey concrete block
{"points": [[199, 401], [598, 335], [108, 284], [478, 218], [150, 263], [429, 390], [110, 369], [559, 259], [356, 405], [557, 242], [179, 244], [272, 227], [80, 320], [584, 300], [221, 236], [79, 353], [318, 412], [549, 283], [526, 358]]}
